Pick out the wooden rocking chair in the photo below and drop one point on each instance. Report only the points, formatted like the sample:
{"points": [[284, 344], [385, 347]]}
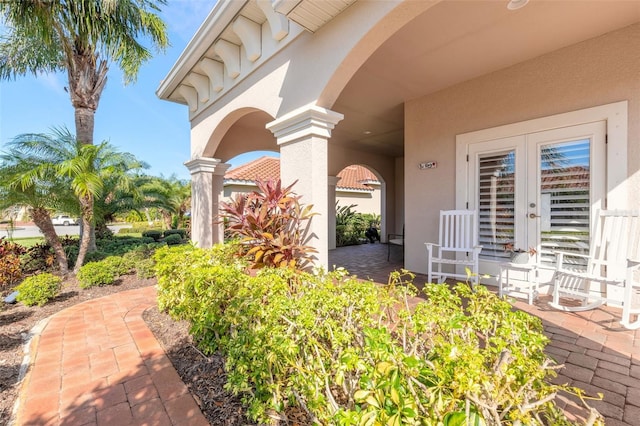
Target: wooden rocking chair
{"points": [[457, 246], [615, 243]]}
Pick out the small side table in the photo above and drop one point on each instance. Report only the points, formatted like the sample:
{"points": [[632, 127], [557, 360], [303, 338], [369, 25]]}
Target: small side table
{"points": [[529, 286]]}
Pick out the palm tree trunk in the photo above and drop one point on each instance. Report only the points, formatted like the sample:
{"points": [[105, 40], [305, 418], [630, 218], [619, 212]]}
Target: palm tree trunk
{"points": [[84, 124], [86, 208], [166, 216], [42, 219]]}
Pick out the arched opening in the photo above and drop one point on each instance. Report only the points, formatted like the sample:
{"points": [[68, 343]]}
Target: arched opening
{"points": [[246, 168], [358, 204]]}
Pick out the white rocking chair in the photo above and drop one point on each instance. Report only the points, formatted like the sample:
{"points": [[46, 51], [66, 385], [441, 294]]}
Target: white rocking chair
{"points": [[615, 242], [457, 246]]}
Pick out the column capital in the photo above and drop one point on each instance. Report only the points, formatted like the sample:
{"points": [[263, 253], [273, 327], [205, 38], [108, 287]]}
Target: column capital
{"points": [[302, 123], [333, 180], [207, 165]]}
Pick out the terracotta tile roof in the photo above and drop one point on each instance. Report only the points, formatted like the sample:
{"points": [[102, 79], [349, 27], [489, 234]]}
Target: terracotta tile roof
{"points": [[356, 177], [351, 177], [263, 168]]}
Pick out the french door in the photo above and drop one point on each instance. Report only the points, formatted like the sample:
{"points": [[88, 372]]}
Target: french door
{"points": [[539, 191]]}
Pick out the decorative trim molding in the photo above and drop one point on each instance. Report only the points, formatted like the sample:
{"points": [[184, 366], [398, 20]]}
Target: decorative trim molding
{"points": [[207, 165], [310, 120]]}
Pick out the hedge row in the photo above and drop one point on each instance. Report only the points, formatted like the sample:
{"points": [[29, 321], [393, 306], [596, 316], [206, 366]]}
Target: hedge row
{"points": [[348, 352]]}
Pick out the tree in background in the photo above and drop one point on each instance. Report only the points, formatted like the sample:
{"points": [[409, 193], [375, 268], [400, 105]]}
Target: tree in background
{"points": [[171, 196], [79, 173], [40, 192], [81, 37]]}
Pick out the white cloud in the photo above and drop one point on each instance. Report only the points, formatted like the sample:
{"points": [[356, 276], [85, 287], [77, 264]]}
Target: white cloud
{"points": [[184, 17], [53, 82]]}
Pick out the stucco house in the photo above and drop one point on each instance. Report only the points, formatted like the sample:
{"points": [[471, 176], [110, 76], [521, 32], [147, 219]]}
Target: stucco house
{"points": [[356, 185], [452, 104]]}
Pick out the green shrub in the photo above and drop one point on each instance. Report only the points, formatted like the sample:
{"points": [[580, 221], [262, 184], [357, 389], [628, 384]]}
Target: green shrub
{"points": [[38, 289], [351, 225], [153, 233], [141, 259], [146, 269], [172, 239], [181, 232], [323, 343], [97, 274]]}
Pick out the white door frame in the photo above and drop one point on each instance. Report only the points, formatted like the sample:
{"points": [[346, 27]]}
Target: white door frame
{"points": [[615, 116]]}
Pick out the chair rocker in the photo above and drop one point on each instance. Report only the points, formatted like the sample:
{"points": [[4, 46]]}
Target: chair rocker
{"points": [[457, 246], [616, 240]]}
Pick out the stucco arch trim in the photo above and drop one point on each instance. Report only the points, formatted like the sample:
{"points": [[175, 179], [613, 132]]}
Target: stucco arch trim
{"points": [[223, 127]]}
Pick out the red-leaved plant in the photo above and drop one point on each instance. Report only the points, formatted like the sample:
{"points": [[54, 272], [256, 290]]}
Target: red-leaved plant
{"points": [[272, 226]]}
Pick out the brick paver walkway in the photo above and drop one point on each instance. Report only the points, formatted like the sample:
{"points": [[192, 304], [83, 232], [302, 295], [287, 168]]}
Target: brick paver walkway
{"points": [[599, 355], [98, 363]]}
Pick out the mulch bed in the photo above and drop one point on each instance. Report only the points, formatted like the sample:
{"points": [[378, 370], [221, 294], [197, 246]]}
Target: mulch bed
{"points": [[204, 375]]}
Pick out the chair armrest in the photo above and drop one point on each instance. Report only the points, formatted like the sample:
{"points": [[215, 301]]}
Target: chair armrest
{"points": [[568, 253], [560, 258]]}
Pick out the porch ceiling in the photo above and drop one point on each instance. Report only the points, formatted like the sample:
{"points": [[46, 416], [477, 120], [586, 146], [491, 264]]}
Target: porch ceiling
{"points": [[456, 41]]}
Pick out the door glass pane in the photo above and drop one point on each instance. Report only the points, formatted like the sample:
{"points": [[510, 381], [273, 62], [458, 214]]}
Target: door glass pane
{"points": [[564, 198], [496, 201]]}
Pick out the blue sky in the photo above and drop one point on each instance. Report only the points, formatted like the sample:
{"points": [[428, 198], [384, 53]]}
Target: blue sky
{"points": [[130, 117]]}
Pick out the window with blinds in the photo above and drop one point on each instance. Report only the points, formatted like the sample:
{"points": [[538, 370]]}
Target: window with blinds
{"points": [[496, 204], [564, 199]]}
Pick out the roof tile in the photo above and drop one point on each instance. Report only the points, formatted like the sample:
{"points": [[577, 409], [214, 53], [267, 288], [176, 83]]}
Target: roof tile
{"points": [[265, 168]]}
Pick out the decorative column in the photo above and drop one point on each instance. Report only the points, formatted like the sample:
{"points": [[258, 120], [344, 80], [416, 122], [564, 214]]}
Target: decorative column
{"points": [[207, 179], [302, 136], [331, 204]]}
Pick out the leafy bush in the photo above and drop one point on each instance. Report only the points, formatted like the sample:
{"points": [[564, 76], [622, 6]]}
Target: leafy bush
{"points": [[351, 225], [120, 245], [100, 273], [181, 232], [271, 224], [146, 269], [323, 343], [39, 289], [172, 239], [10, 267], [141, 259], [153, 233]]}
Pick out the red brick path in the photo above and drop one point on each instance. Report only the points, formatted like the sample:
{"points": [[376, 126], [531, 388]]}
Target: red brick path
{"points": [[97, 363]]}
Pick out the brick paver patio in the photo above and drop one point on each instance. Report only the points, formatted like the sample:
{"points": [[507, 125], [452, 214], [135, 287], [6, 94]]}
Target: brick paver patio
{"points": [[97, 363], [600, 356]]}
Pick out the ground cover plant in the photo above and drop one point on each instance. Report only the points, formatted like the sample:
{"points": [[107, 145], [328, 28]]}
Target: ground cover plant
{"points": [[348, 352], [39, 289]]}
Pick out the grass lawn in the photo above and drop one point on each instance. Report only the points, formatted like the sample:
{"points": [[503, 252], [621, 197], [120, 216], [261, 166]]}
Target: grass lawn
{"points": [[29, 241]]}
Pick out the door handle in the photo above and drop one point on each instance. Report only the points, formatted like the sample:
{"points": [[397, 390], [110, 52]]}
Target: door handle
{"points": [[533, 215]]}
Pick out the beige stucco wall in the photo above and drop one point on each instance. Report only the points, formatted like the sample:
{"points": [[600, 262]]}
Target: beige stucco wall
{"points": [[591, 73], [365, 202]]}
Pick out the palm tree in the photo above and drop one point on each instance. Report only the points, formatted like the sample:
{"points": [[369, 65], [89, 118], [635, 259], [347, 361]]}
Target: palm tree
{"points": [[122, 185], [81, 37], [39, 192], [85, 171], [172, 196]]}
